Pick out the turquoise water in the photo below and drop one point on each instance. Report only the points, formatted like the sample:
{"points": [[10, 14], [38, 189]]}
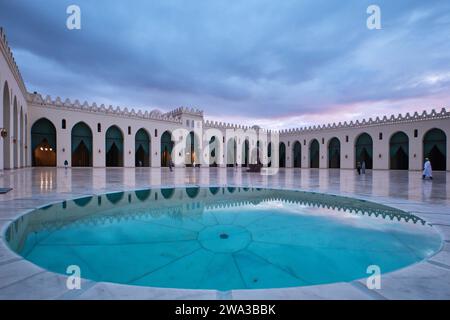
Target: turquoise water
{"points": [[221, 238]]}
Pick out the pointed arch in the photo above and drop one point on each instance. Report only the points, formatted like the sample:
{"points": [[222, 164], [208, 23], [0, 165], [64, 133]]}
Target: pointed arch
{"points": [[334, 153], [246, 151], [399, 151], [114, 147], [213, 151], [21, 139], [81, 141], [192, 153], [364, 150], [231, 152], [435, 148], [26, 139], [43, 143], [142, 147], [166, 148], [314, 154], [297, 154], [15, 133], [7, 127], [269, 154], [282, 155]]}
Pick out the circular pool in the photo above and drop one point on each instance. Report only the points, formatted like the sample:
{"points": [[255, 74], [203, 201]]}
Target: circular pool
{"points": [[221, 238]]}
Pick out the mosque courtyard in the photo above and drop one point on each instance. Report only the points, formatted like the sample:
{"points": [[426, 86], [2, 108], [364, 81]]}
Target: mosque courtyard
{"points": [[36, 187]]}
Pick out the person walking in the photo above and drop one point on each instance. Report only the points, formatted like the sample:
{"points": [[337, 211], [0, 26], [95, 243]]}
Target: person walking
{"points": [[363, 167], [66, 164], [427, 170], [358, 168]]}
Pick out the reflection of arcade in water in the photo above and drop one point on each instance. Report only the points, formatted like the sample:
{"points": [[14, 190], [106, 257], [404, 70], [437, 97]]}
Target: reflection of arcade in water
{"points": [[182, 203]]}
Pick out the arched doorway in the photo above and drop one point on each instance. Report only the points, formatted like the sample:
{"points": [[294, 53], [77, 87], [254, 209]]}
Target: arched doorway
{"points": [[81, 137], [364, 150], [334, 153], [16, 134], [399, 151], [314, 156], [297, 154], [166, 148], [192, 150], [246, 150], [25, 130], [7, 127], [21, 140], [256, 153], [114, 147], [213, 151], [269, 154], [142, 148], [231, 152], [282, 155], [43, 143], [435, 148]]}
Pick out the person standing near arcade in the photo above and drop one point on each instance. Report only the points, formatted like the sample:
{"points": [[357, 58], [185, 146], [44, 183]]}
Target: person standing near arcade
{"points": [[427, 170]]}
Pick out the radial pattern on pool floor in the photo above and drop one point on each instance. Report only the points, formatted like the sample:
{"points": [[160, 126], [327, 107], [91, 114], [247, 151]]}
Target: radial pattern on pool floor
{"points": [[221, 238]]}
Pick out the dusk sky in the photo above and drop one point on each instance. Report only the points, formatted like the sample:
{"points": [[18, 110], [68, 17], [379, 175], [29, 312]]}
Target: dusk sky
{"points": [[279, 64]]}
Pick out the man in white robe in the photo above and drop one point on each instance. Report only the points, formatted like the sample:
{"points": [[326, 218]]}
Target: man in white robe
{"points": [[427, 170]]}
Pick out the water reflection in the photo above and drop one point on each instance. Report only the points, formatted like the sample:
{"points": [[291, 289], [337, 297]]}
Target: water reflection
{"points": [[185, 202], [115, 197], [142, 194], [81, 202], [221, 237]]}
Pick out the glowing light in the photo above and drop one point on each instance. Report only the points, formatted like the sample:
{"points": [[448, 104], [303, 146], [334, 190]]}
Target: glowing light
{"points": [[42, 149]]}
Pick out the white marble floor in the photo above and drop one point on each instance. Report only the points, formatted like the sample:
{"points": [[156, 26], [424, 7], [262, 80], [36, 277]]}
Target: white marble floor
{"points": [[34, 187]]}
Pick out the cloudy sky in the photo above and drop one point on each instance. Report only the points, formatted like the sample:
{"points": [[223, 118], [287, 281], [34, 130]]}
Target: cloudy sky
{"points": [[274, 63]]}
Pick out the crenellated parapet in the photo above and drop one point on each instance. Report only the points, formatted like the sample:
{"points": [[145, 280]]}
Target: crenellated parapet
{"points": [[392, 120], [176, 113], [58, 103], [9, 57], [224, 126]]}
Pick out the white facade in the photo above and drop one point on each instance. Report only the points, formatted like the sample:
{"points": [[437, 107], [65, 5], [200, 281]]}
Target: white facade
{"points": [[21, 110], [414, 126], [14, 111]]}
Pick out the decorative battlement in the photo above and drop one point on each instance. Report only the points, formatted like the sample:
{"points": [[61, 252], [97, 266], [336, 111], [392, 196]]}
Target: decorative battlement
{"points": [[36, 99], [432, 115], [174, 116], [224, 125], [176, 113], [9, 57]]}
